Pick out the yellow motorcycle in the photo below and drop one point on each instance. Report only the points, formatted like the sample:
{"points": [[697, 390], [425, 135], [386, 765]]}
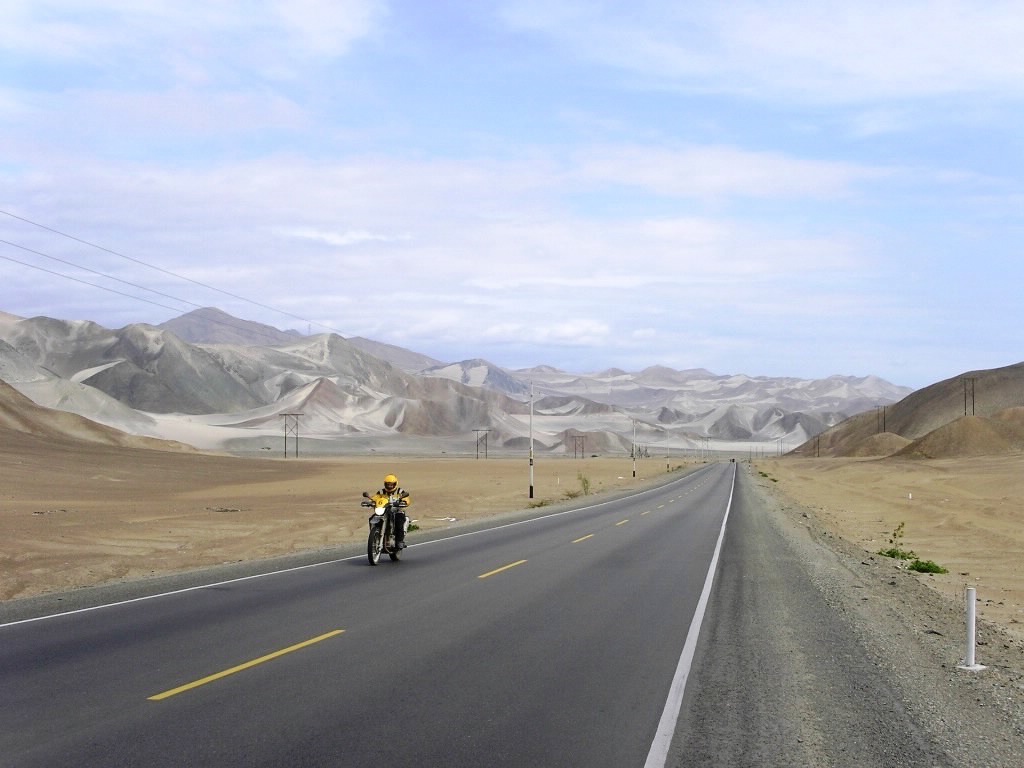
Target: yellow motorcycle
{"points": [[388, 514]]}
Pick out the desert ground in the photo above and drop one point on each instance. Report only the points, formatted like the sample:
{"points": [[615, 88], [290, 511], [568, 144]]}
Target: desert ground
{"points": [[964, 514], [75, 514]]}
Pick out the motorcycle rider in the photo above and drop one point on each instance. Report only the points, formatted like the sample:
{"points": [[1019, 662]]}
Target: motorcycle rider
{"points": [[389, 492]]}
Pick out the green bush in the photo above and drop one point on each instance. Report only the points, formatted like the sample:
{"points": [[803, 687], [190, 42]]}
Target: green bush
{"points": [[927, 566], [896, 549]]}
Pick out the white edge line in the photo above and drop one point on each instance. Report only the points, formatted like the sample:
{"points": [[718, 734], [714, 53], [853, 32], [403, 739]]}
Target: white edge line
{"points": [[324, 562], [175, 592], [658, 755]]}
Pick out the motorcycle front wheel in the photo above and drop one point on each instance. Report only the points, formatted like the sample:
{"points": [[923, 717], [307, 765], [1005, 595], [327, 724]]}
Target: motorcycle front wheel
{"points": [[374, 545]]}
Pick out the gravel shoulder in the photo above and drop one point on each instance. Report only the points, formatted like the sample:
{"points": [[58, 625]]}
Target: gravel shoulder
{"points": [[917, 636]]}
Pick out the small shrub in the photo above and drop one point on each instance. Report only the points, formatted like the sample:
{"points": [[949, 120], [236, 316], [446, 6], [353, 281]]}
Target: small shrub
{"points": [[927, 566], [896, 549], [584, 483]]}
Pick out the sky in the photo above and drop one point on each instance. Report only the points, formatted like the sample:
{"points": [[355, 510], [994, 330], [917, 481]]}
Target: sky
{"points": [[761, 188]]}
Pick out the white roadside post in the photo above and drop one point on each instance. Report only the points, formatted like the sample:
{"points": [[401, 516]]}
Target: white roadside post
{"points": [[531, 439], [969, 663]]}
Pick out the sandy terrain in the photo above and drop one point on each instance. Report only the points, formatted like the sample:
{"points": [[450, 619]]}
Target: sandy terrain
{"points": [[75, 515], [965, 514]]}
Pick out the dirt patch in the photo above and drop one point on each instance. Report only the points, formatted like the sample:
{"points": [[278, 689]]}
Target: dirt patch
{"points": [[78, 514], [965, 514]]}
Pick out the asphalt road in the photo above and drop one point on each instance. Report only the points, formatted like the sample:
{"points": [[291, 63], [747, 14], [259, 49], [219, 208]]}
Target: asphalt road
{"points": [[551, 642], [560, 641], [781, 677]]}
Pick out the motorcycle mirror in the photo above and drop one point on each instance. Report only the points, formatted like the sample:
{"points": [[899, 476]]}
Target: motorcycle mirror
{"points": [[366, 495]]}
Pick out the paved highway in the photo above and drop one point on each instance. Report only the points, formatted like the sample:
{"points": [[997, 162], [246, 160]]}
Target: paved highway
{"points": [[566, 640], [551, 642]]}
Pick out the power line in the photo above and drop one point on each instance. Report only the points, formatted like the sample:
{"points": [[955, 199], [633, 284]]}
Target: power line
{"points": [[218, 321], [154, 267], [97, 272], [86, 282]]}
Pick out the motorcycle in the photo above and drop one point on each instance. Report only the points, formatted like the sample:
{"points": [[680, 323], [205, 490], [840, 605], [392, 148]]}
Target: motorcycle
{"points": [[382, 526]]}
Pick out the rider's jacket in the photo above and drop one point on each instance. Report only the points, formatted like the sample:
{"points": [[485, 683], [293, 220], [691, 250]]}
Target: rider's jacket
{"points": [[396, 494]]}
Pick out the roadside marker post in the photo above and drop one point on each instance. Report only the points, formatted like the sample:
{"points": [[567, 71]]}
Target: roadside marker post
{"points": [[969, 662]]}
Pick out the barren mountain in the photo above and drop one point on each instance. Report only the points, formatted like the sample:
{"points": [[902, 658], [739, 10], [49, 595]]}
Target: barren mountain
{"points": [[207, 378], [213, 326], [977, 413], [23, 423]]}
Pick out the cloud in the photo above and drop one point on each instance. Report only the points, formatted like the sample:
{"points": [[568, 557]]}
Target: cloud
{"points": [[555, 332], [825, 52], [632, 179], [431, 221], [342, 239], [720, 171], [329, 28], [186, 41]]}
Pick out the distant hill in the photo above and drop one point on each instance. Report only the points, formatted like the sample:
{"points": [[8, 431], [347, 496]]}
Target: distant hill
{"points": [[20, 417], [977, 413], [213, 326], [480, 373], [217, 380], [407, 360]]}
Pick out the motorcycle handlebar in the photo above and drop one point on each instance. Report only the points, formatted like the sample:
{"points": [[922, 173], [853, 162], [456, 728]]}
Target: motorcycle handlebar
{"points": [[402, 495]]}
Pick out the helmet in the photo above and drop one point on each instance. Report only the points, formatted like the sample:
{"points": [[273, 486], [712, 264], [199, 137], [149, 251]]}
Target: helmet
{"points": [[390, 483]]}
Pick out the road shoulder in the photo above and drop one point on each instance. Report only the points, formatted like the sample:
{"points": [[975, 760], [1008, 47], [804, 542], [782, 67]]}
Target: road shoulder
{"points": [[916, 636]]}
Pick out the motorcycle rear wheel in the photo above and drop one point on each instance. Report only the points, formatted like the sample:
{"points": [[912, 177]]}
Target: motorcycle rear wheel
{"points": [[374, 545], [395, 554]]}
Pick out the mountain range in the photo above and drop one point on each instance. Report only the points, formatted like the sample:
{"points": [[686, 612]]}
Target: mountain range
{"points": [[978, 413], [214, 381]]}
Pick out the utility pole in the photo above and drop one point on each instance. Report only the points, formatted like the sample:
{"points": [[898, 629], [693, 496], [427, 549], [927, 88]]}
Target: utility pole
{"points": [[634, 447], [291, 427], [969, 380], [577, 445], [481, 436], [531, 439]]}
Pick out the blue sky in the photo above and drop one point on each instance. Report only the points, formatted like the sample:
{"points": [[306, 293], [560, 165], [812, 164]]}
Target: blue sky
{"points": [[769, 188]]}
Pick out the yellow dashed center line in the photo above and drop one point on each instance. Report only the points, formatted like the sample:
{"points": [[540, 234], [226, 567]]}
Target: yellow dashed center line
{"points": [[621, 522], [246, 665], [499, 570], [583, 538]]}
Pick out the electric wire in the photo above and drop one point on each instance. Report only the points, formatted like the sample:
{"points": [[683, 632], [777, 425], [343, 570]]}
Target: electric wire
{"points": [[86, 282], [249, 329], [96, 272], [150, 266]]}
